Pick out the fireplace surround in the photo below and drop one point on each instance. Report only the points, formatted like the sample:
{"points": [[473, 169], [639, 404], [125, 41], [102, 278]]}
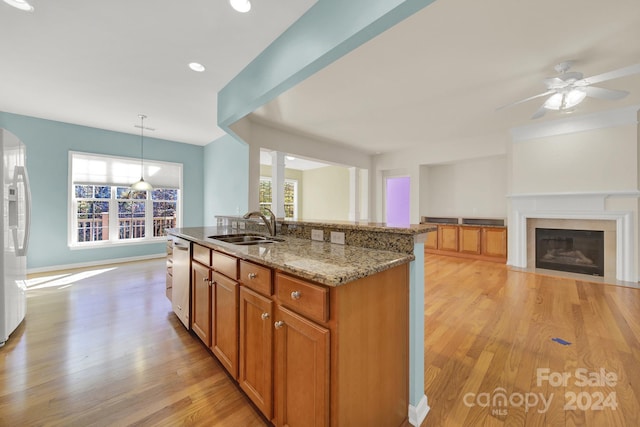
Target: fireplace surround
{"points": [[582, 211]]}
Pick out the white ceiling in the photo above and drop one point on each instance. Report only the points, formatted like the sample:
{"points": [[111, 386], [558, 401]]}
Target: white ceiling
{"points": [[101, 63], [441, 74], [437, 76]]}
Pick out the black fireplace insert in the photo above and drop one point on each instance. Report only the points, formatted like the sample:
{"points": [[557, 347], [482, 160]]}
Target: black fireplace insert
{"points": [[574, 251]]}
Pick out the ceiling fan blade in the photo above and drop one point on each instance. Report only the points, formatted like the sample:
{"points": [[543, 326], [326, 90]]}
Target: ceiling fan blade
{"points": [[554, 83], [549, 92], [539, 113], [610, 75], [601, 93]]}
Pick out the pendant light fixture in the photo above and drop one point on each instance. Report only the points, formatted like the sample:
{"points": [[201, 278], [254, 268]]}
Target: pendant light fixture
{"points": [[141, 185]]}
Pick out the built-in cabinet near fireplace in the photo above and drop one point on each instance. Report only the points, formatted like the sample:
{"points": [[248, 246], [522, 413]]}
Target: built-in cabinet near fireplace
{"points": [[575, 251]]}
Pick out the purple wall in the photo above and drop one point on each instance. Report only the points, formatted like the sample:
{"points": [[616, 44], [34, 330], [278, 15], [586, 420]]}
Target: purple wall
{"points": [[398, 201]]}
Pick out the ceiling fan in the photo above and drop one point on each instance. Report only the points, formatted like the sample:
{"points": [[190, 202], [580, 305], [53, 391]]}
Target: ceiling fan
{"points": [[570, 88]]}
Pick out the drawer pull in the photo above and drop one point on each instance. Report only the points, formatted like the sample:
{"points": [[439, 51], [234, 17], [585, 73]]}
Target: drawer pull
{"points": [[279, 324], [296, 295], [252, 275], [265, 316], [204, 279]]}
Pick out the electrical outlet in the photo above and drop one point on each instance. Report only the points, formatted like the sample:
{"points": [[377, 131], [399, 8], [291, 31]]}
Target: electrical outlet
{"points": [[317, 235], [242, 225], [234, 224], [337, 237]]}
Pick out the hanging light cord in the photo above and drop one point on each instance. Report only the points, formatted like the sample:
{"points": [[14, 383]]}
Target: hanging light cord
{"points": [[142, 117]]}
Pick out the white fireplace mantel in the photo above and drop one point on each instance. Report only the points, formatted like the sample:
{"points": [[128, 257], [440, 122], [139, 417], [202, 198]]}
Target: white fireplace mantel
{"points": [[578, 206]]}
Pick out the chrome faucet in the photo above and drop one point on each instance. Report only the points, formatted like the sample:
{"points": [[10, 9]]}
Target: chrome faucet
{"points": [[270, 223]]}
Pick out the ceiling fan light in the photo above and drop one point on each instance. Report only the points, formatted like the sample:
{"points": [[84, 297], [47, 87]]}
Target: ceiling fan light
{"points": [[241, 6], [574, 97], [554, 102], [20, 4]]}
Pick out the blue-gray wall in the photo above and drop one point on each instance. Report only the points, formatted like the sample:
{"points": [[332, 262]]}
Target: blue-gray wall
{"points": [[226, 178], [48, 145]]}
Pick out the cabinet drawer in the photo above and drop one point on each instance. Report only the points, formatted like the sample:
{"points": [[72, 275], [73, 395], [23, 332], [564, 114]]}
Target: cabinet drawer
{"points": [[225, 264], [202, 255], [305, 298], [256, 277]]}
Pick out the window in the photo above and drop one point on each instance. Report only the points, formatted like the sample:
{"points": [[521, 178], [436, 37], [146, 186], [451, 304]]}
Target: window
{"points": [[290, 197], [104, 210]]}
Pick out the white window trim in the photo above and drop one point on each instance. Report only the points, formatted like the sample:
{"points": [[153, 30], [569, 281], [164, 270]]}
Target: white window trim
{"points": [[113, 219]]}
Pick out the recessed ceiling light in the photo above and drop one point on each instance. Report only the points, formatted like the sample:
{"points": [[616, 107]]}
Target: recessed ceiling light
{"points": [[241, 6], [196, 66], [290, 158], [20, 4]]}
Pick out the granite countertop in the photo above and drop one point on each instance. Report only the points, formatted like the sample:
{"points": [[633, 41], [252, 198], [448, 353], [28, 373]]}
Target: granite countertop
{"points": [[322, 262]]}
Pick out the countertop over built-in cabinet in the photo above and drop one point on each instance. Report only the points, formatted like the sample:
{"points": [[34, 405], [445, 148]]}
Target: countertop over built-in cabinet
{"points": [[314, 333]]}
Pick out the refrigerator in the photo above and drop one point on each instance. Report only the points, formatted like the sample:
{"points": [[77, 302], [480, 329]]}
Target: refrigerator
{"points": [[16, 222]]}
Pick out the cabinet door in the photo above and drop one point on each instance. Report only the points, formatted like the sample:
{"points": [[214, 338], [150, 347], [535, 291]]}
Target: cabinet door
{"points": [[301, 371], [224, 322], [470, 240], [432, 240], [201, 302], [448, 238], [495, 242], [256, 349]]}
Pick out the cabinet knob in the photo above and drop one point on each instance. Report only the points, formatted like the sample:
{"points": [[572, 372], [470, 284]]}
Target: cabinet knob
{"points": [[296, 295], [252, 275], [265, 316], [279, 324]]}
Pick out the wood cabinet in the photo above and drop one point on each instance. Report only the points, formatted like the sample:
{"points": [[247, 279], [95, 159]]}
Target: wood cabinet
{"points": [[306, 353], [301, 371], [432, 240], [201, 301], [448, 238], [224, 321], [469, 240], [481, 242], [256, 349], [494, 242]]}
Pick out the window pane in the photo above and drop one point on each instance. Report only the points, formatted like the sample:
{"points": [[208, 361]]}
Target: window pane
{"points": [[288, 211], [103, 192], [164, 194], [84, 191], [164, 216], [265, 191], [122, 192], [92, 221], [131, 220]]}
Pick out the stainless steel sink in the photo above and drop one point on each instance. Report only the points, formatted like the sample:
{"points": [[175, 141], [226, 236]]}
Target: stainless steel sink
{"points": [[245, 239]]}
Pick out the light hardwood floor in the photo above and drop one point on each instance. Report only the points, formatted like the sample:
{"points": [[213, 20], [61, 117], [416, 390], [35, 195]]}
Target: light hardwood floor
{"points": [[101, 347], [488, 327]]}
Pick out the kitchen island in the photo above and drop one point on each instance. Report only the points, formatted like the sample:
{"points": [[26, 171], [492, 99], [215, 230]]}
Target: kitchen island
{"points": [[314, 333]]}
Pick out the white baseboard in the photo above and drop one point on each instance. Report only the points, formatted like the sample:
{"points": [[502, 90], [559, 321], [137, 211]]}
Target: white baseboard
{"points": [[93, 263], [418, 413]]}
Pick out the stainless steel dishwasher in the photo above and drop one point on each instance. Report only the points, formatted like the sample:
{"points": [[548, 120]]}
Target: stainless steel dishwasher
{"points": [[180, 297]]}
